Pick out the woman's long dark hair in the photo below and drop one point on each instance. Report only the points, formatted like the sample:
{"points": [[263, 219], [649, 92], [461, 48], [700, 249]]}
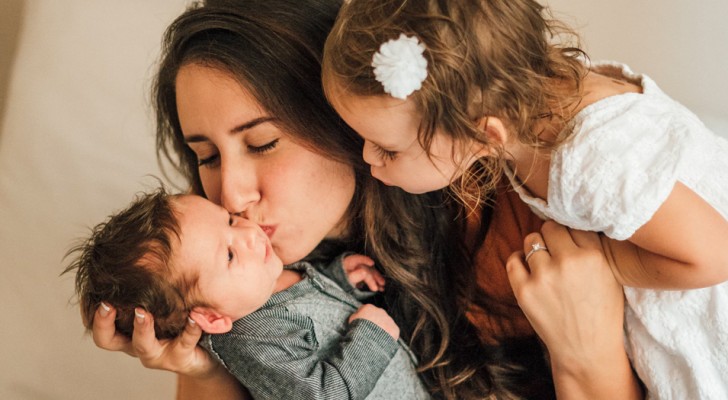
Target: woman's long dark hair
{"points": [[274, 49]]}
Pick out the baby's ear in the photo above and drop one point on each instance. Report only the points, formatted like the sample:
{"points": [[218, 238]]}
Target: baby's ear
{"points": [[210, 320]]}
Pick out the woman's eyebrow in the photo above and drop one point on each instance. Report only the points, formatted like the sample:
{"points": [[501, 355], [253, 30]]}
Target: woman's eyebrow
{"points": [[240, 128], [251, 124]]}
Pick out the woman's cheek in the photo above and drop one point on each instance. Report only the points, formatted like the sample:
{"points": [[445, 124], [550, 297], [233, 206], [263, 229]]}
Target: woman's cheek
{"points": [[211, 185]]}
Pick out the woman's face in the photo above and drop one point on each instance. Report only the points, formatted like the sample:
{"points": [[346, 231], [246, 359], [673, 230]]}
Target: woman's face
{"points": [[252, 168]]}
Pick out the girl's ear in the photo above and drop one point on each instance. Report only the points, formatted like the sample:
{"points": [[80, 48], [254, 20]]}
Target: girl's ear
{"points": [[210, 320], [494, 132], [494, 129]]}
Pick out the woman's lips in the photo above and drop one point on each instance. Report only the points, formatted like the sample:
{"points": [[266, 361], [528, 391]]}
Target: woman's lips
{"points": [[268, 229]]}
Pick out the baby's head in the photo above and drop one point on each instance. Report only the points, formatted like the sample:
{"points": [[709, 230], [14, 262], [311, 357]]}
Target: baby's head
{"points": [[456, 79], [175, 256]]}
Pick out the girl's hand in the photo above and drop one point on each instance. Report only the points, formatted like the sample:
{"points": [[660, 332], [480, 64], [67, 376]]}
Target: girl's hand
{"points": [[360, 271], [569, 293], [180, 355]]}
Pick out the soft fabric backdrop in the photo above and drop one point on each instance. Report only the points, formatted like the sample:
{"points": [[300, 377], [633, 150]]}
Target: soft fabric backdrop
{"points": [[76, 142]]}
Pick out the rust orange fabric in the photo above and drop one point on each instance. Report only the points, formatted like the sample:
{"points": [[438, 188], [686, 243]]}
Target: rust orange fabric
{"points": [[511, 221]]}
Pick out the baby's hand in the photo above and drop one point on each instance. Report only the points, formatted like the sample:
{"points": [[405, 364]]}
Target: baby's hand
{"points": [[379, 317], [360, 271]]}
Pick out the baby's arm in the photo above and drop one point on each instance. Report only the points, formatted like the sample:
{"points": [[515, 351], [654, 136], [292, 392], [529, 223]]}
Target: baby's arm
{"points": [[281, 357], [683, 246]]}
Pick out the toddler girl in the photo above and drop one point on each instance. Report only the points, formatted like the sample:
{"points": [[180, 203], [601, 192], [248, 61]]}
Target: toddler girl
{"points": [[452, 93]]}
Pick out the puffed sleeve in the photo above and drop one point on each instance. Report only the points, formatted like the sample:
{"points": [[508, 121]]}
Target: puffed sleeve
{"points": [[619, 167]]}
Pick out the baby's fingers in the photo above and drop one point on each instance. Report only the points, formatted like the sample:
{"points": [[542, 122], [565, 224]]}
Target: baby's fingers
{"points": [[104, 331], [355, 260], [364, 274], [377, 277]]}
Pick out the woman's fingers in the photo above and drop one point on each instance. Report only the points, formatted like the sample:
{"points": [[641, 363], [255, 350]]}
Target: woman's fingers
{"points": [[535, 249], [145, 343], [586, 240], [181, 355], [190, 336], [557, 239], [518, 273], [104, 331]]}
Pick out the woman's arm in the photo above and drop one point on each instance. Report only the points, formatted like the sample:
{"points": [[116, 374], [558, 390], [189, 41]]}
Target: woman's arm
{"points": [[576, 306], [681, 247], [221, 386], [199, 375]]}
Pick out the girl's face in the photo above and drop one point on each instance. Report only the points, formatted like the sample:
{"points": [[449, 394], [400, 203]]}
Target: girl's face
{"points": [[389, 128], [252, 168]]}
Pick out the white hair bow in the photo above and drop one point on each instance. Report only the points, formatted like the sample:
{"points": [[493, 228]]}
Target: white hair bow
{"points": [[400, 66]]}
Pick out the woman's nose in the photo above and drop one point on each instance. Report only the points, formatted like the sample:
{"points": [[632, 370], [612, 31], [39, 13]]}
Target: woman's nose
{"points": [[370, 155], [238, 187]]}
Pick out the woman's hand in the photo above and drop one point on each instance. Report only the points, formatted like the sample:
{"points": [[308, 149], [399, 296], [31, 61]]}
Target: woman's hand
{"points": [[576, 306], [199, 375], [180, 355]]}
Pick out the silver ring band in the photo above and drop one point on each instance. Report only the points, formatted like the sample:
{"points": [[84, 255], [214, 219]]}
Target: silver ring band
{"points": [[534, 248]]}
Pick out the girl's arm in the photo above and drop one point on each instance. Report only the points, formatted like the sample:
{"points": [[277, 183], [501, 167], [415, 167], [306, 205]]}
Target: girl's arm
{"points": [[576, 306], [683, 246]]}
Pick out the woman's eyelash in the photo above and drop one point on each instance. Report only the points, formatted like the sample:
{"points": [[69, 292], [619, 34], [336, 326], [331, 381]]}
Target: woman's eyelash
{"points": [[264, 148], [212, 160], [208, 161], [385, 154]]}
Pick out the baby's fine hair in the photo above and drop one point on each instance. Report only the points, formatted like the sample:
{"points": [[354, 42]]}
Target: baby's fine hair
{"points": [[501, 58], [125, 263]]}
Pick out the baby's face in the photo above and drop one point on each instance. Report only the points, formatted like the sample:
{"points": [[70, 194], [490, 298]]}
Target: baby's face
{"points": [[390, 128], [232, 256]]}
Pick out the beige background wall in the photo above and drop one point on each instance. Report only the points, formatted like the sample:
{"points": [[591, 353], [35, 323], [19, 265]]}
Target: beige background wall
{"points": [[76, 141], [682, 45]]}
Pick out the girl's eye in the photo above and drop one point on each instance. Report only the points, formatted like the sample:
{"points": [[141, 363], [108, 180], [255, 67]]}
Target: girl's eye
{"points": [[230, 255], [264, 148], [384, 154], [230, 221], [209, 162]]}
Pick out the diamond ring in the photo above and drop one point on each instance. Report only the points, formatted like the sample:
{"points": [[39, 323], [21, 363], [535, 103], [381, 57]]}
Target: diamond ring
{"points": [[534, 248]]}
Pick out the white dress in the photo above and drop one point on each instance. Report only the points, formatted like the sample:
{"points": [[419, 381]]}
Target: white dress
{"points": [[622, 161]]}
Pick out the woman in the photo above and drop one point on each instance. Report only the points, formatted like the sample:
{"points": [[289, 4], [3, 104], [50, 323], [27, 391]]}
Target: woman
{"points": [[239, 102]]}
